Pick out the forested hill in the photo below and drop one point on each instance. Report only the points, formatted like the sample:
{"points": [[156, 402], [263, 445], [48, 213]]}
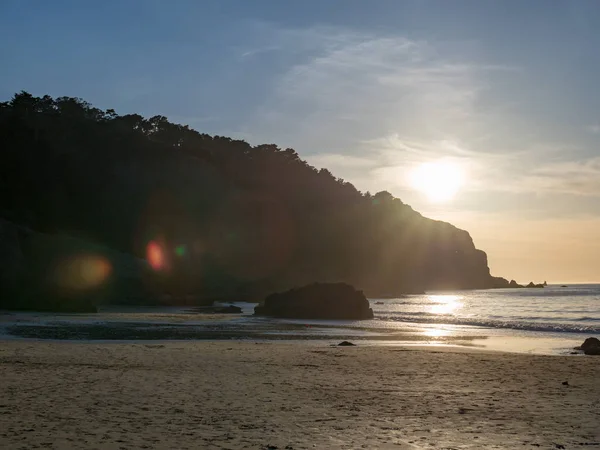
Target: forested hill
{"points": [[229, 218]]}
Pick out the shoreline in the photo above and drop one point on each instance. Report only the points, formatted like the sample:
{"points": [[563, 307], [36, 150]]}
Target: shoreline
{"points": [[516, 345], [253, 395], [165, 327]]}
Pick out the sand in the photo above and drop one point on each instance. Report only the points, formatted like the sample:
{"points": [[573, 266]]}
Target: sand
{"points": [[230, 395]]}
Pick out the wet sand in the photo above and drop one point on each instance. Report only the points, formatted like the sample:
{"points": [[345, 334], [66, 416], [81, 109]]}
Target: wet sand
{"points": [[282, 395]]}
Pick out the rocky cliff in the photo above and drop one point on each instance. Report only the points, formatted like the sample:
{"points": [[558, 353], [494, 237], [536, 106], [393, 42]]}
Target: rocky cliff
{"points": [[214, 217]]}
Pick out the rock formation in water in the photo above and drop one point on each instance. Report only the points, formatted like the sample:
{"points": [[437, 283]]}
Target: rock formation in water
{"points": [[591, 346], [329, 301], [503, 283]]}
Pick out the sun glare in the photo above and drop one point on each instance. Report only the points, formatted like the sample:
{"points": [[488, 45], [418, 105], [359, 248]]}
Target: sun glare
{"points": [[439, 180], [445, 304]]}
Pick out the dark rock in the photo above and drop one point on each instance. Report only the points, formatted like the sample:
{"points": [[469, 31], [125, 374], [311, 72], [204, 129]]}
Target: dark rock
{"points": [[379, 303], [12, 260], [565, 383], [332, 301], [564, 285], [60, 273], [346, 344], [231, 309], [499, 282], [24, 285], [591, 346]]}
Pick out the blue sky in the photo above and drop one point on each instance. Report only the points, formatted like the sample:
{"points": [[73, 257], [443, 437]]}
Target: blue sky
{"points": [[508, 89]]}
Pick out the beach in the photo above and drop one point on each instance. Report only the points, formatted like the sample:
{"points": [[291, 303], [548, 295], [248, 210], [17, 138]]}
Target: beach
{"points": [[260, 395]]}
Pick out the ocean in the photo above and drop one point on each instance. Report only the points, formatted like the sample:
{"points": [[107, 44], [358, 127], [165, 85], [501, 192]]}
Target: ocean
{"points": [[554, 309], [547, 321]]}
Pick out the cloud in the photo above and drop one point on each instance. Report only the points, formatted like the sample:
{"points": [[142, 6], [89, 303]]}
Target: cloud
{"points": [[325, 160], [580, 178], [250, 53], [370, 107], [347, 87], [594, 129]]}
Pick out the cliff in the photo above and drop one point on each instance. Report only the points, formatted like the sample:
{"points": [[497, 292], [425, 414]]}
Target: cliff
{"points": [[215, 217]]}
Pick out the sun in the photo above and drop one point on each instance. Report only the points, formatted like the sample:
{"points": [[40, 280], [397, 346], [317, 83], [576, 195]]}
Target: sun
{"points": [[438, 180]]}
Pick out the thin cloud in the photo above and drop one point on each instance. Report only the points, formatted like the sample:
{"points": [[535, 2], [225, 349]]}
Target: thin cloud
{"points": [[247, 54], [570, 177], [347, 88], [369, 107], [594, 129], [326, 160]]}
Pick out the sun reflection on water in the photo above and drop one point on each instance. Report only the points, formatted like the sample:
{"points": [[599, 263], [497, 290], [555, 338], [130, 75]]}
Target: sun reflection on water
{"points": [[445, 304], [436, 332]]}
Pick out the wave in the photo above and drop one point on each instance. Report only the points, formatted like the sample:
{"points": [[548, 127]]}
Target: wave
{"points": [[425, 302], [556, 327]]}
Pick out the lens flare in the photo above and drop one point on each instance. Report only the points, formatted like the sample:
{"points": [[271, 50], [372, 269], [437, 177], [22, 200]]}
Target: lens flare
{"points": [[180, 250], [155, 255], [83, 272]]}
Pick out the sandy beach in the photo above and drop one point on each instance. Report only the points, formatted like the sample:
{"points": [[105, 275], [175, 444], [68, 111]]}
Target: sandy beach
{"points": [[233, 395]]}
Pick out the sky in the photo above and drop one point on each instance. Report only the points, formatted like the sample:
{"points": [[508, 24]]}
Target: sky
{"points": [[506, 90]]}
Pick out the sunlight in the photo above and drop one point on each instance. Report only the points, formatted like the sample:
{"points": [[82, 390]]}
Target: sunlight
{"points": [[438, 180], [444, 304], [436, 332]]}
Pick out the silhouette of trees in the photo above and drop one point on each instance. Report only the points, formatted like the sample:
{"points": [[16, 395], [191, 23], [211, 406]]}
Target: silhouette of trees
{"points": [[249, 219]]}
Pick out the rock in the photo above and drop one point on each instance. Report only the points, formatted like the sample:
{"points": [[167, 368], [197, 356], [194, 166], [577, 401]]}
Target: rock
{"points": [[346, 344], [329, 301], [591, 346], [23, 286], [379, 303], [61, 273], [565, 383], [231, 309], [12, 260], [563, 285], [499, 282]]}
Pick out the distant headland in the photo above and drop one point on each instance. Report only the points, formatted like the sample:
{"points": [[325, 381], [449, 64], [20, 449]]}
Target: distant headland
{"points": [[503, 283]]}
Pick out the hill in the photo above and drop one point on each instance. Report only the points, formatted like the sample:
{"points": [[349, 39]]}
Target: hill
{"points": [[216, 217]]}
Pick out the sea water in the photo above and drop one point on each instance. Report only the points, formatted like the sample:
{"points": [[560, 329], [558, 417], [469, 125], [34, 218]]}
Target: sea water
{"points": [[549, 320], [554, 309]]}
